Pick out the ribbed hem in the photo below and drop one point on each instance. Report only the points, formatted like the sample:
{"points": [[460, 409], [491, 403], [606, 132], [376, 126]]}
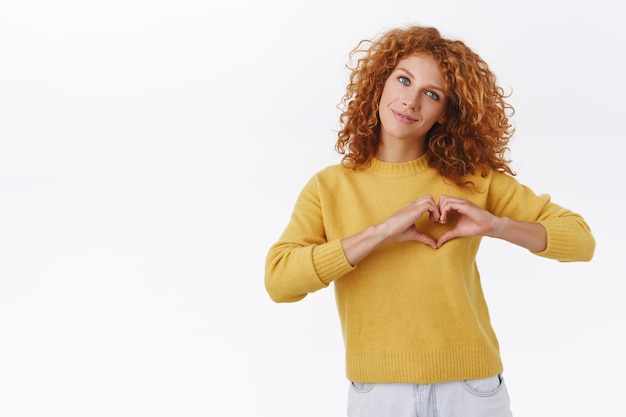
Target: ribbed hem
{"points": [[330, 261], [422, 367]]}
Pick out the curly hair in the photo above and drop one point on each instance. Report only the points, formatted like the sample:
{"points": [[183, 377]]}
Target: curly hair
{"points": [[475, 136]]}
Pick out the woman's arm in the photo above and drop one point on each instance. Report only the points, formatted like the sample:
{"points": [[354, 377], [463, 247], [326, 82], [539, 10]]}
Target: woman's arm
{"points": [[529, 235], [474, 221], [302, 261], [554, 232]]}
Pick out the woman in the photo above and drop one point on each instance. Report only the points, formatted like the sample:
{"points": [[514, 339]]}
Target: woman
{"points": [[397, 225]]}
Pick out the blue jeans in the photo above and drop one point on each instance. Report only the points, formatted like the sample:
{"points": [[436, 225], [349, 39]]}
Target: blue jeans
{"points": [[486, 397]]}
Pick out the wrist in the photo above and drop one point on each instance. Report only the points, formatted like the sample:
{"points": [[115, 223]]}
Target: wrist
{"points": [[498, 227]]}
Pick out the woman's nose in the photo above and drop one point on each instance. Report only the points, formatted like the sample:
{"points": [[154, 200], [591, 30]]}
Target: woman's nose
{"points": [[411, 101]]}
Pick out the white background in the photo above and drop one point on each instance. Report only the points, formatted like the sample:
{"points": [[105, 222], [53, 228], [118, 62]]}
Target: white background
{"points": [[151, 152]]}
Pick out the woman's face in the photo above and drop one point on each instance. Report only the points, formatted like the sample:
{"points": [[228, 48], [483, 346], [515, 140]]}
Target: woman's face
{"points": [[413, 100]]}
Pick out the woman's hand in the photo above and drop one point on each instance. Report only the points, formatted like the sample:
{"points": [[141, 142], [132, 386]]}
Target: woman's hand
{"points": [[474, 221], [471, 221], [400, 227]]}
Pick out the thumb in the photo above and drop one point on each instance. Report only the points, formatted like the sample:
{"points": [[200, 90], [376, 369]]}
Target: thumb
{"points": [[426, 239]]}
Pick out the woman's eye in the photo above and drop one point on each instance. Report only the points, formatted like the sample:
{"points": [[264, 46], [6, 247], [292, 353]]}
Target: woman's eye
{"points": [[404, 80], [432, 95]]}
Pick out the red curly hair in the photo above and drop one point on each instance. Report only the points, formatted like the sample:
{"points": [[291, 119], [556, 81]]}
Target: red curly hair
{"points": [[475, 136]]}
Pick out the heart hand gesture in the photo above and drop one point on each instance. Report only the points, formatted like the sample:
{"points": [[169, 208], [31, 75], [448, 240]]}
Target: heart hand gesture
{"points": [[472, 220]]}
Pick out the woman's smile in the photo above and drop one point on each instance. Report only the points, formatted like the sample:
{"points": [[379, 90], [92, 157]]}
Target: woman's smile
{"points": [[403, 117]]}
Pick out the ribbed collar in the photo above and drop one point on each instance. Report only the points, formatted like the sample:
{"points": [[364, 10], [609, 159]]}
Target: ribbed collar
{"points": [[398, 169]]}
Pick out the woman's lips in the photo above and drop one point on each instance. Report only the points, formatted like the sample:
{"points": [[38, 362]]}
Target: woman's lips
{"points": [[402, 117]]}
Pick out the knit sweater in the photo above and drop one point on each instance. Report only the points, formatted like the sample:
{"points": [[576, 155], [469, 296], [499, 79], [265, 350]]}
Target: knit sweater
{"points": [[408, 312]]}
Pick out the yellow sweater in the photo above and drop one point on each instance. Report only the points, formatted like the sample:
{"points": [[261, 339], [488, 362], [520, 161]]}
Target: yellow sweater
{"points": [[409, 313]]}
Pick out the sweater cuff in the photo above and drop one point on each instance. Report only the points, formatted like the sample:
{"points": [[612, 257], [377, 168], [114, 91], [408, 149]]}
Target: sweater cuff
{"points": [[330, 261], [565, 243]]}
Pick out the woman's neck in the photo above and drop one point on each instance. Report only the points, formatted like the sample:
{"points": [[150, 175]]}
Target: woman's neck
{"points": [[400, 151]]}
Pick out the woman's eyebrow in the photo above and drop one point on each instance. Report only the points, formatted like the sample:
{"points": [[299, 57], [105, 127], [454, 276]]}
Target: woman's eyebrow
{"points": [[410, 74], [406, 70]]}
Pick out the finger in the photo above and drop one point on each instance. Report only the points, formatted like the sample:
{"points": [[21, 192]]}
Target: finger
{"points": [[443, 212], [448, 204], [426, 204], [443, 208], [434, 214], [424, 238]]}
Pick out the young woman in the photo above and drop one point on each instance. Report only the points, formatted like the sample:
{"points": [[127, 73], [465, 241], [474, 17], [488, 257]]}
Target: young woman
{"points": [[397, 225]]}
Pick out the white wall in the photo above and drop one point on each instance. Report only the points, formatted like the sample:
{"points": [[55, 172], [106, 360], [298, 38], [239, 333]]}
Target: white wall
{"points": [[151, 152]]}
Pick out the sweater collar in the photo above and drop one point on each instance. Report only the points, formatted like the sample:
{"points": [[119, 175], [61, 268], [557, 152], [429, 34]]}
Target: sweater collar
{"points": [[398, 169]]}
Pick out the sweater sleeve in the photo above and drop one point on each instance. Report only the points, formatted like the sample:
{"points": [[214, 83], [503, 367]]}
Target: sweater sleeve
{"points": [[569, 236], [302, 260]]}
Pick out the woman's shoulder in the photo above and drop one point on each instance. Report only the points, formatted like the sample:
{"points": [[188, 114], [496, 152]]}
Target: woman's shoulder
{"points": [[334, 170], [493, 176], [492, 181], [330, 177]]}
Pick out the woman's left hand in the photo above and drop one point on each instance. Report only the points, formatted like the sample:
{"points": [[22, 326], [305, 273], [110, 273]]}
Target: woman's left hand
{"points": [[472, 220]]}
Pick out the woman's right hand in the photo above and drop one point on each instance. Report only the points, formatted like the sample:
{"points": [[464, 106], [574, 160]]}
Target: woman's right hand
{"points": [[400, 227]]}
